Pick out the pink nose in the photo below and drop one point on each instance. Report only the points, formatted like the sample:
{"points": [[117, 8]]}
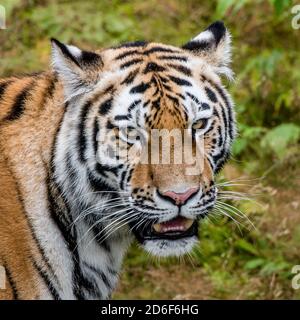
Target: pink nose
{"points": [[180, 198]]}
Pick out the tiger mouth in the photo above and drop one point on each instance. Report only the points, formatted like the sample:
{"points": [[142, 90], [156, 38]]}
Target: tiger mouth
{"points": [[174, 229]]}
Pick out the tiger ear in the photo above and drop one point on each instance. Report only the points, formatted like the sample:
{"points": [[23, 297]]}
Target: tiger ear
{"points": [[214, 45], [78, 69]]}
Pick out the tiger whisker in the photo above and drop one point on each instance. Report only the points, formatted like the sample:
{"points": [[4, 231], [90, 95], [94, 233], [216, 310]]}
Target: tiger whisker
{"points": [[237, 180], [93, 225], [234, 198], [100, 192], [224, 213], [235, 211], [120, 224], [111, 229], [92, 209]]}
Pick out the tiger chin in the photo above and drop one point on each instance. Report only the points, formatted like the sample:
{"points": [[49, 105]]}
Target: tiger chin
{"points": [[69, 204]]}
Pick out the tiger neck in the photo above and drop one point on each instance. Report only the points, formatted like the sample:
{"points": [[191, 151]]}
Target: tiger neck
{"points": [[96, 263]]}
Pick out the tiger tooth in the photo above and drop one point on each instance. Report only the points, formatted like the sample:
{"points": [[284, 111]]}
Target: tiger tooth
{"points": [[157, 227], [188, 223]]}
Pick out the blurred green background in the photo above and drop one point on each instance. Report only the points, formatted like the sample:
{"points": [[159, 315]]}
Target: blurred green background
{"points": [[232, 260]]}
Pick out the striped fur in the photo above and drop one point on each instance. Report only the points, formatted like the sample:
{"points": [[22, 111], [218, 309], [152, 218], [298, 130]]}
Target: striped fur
{"points": [[57, 200]]}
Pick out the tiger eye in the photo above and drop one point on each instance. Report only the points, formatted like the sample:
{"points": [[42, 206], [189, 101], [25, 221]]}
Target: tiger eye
{"points": [[200, 124]]}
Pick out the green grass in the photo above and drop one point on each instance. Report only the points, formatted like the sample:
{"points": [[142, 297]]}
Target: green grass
{"points": [[229, 263]]}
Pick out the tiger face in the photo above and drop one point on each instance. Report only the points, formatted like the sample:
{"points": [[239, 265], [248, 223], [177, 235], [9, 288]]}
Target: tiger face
{"points": [[148, 126]]}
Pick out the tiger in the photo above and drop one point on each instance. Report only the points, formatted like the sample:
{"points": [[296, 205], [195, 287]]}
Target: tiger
{"points": [[70, 207]]}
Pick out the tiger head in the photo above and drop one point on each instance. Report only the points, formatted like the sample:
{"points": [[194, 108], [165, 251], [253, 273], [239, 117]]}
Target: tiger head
{"points": [[147, 128]]}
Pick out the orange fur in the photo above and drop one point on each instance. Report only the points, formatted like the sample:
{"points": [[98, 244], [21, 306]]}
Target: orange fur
{"points": [[24, 148]]}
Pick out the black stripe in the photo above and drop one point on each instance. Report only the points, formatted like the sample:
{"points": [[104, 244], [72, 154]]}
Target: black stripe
{"points": [[19, 104], [70, 240], [50, 89], [72, 174], [127, 54], [197, 46], [109, 89], [3, 87], [156, 92], [180, 95], [180, 82], [204, 106], [11, 282], [229, 108], [99, 236], [134, 105], [228, 105], [111, 271], [225, 118], [220, 160], [210, 128], [105, 107], [131, 76], [153, 67], [130, 63], [65, 51], [47, 281], [194, 98], [211, 95], [123, 175], [110, 126], [146, 103], [141, 88], [98, 184], [175, 100], [132, 44], [167, 87], [210, 163], [156, 103], [90, 58], [95, 136], [125, 117], [102, 169], [59, 214], [129, 175], [163, 79], [81, 129], [186, 71], [160, 49], [220, 142], [100, 274], [179, 58]]}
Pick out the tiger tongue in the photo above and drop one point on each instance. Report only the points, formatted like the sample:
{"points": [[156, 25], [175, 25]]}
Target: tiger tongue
{"points": [[176, 225]]}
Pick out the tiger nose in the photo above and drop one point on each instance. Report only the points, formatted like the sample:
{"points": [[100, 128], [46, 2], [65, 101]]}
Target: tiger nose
{"points": [[180, 198]]}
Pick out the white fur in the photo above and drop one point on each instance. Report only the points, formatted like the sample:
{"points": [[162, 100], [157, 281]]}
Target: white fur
{"points": [[168, 248], [204, 36]]}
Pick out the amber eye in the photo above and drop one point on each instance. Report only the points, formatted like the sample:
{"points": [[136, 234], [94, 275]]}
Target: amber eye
{"points": [[200, 124]]}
